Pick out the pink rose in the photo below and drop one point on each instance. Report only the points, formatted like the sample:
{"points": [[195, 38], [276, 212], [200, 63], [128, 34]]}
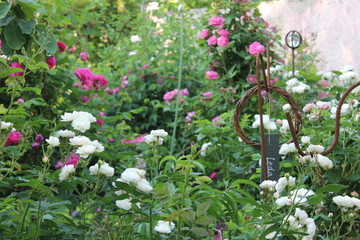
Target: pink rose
{"points": [[184, 92], [204, 34], [323, 83], [145, 66], [51, 62], [83, 56], [17, 65], [308, 107], [207, 94], [223, 41], [212, 40], [20, 100], [85, 99], [100, 122], [61, 46], [99, 81], [39, 138], [170, 95], [85, 75], [13, 138], [59, 165], [256, 48], [101, 114], [188, 118], [217, 21], [223, 32], [213, 175], [72, 50], [251, 78], [211, 75], [215, 120], [72, 160]]}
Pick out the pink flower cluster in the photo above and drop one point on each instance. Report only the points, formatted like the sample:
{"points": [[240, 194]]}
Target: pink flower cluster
{"points": [[220, 37], [16, 65], [172, 94], [256, 48], [38, 140], [137, 140], [13, 138], [319, 105], [72, 160], [88, 79]]}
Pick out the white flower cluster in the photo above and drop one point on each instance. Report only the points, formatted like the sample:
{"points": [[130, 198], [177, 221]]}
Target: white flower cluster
{"points": [[155, 137], [323, 161], [283, 182], [287, 148], [289, 74], [79, 120], [297, 197], [5, 125], [137, 177], [65, 133], [295, 86], [164, 226], [266, 120], [53, 141], [66, 171], [299, 220], [345, 110], [204, 148], [102, 168], [87, 146], [346, 202], [268, 185]]}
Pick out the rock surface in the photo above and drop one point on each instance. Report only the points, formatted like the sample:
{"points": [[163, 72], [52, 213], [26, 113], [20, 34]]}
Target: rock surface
{"points": [[335, 23]]}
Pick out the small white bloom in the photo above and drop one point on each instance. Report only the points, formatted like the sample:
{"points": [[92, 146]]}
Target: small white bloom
{"points": [[152, 6], [5, 125], [98, 146], [131, 175], [311, 228], [65, 133], [53, 141], [285, 126], [79, 141], [347, 68], [315, 148], [86, 150], [94, 170], [144, 186], [344, 201], [81, 124], [287, 148], [305, 139], [301, 215], [283, 182], [135, 38], [106, 170], [299, 196], [269, 125], [67, 117], [124, 204], [132, 53], [283, 201], [204, 148], [268, 184], [159, 133], [286, 107], [66, 171], [164, 226], [324, 162]]}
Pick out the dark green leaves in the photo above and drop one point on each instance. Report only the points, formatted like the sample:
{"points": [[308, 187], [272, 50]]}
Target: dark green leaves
{"points": [[27, 27], [4, 9], [14, 38]]}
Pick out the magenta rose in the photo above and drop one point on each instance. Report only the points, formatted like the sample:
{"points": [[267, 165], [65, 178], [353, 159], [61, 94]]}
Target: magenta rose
{"points": [[72, 160], [17, 65], [256, 48], [85, 75], [217, 21], [51, 62], [99, 81], [251, 78], [223, 41], [61, 46], [212, 40], [211, 75], [13, 138], [83, 56], [204, 34]]}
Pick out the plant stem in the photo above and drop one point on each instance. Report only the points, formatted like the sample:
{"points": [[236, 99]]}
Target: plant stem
{"points": [[179, 78]]}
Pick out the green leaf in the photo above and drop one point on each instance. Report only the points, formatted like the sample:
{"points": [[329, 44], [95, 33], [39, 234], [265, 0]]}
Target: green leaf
{"points": [[27, 27], [5, 21], [51, 45], [204, 220], [330, 188], [14, 38], [315, 199], [4, 9], [199, 232], [29, 7], [202, 208], [244, 181]]}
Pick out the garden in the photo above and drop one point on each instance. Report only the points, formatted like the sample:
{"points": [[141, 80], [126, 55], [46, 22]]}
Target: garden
{"points": [[129, 119]]}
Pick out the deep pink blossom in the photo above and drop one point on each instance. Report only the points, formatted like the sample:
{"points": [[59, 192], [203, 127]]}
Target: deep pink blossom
{"points": [[137, 140], [101, 114], [251, 79], [212, 40], [223, 41], [207, 94], [111, 140], [204, 34], [72, 50], [39, 138], [17, 65], [256, 48], [51, 62], [145, 66], [99, 81], [13, 138], [59, 165], [83, 56], [211, 75], [72, 160], [215, 120], [213, 175], [35, 145], [20, 100], [100, 122], [223, 32], [217, 21], [85, 99], [184, 92], [170, 95], [61, 46], [85, 75]]}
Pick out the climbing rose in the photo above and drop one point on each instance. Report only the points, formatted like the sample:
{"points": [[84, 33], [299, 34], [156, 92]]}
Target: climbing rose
{"points": [[170, 95], [256, 48], [217, 21], [164, 226], [16, 65], [212, 40], [83, 56], [204, 34], [61, 46], [72, 160], [223, 32], [51, 62], [85, 75], [223, 41]]}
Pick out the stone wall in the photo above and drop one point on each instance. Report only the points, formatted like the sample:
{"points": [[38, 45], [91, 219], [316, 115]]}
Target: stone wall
{"points": [[335, 22]]}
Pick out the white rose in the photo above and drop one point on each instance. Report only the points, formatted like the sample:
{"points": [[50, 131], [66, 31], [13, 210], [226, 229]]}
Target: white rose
{"points": [[159, 133], [86, 150], [66, 171], [98, 146], [164, 226], [130, 175], [311, 227], [144, 186], [67, 117], [315, 148], [81, 124], [343, 201], [268, 184], [124, 204], [94, 170], [53, 141], [66, 133], [305, 139], [5, 125], [286, 107], [324, 162], [204, 148], [79, 140], [106, 170], [283, 201], [301, 215], [287, 148]]}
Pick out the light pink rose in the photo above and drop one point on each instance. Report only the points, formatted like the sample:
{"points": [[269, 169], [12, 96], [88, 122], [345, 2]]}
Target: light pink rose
{"points": [[256, 48], [223, 32], [184, 92], [170, 95], [211, 75], [207, 94], [204, 34], [324, 83], [308, 107], [20, 100], [212, 40], [217, 21], [223, 41], [83, 56]]}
